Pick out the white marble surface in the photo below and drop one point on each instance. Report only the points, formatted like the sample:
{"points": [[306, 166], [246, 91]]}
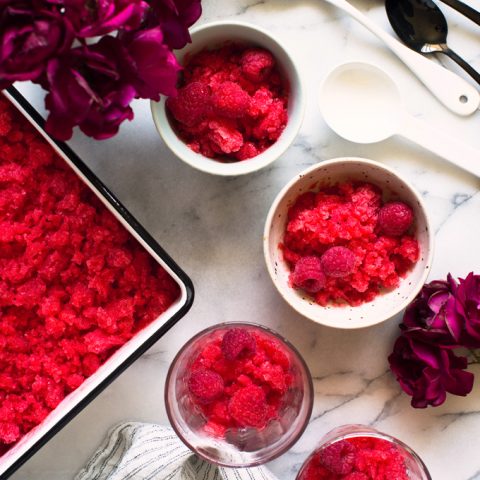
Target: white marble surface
{"points": [[213, 228]]}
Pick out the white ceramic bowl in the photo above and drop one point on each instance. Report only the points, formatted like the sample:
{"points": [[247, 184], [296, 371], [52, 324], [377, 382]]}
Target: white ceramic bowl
{"points": [[385, 305], [212, 35]]}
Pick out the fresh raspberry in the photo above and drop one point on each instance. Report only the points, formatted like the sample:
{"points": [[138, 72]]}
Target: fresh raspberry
{"points": [[338, 262], [260, 102], [237, 341], [230, 100], [339, 457], [395, 218], [273, 123], [248, 407], [224, 137], [308, 274], [190, 104], [205, 385], [256, 64], [248, 150]]}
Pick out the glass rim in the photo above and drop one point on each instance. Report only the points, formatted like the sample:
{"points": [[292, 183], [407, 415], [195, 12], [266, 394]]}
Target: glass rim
{"points": [[308, 396]]}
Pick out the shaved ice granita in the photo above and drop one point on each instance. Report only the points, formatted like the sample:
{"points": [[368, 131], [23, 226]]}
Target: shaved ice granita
{"points": [[74, 284], [356, 452], [231, 103], [238, 394], [345, 244]]}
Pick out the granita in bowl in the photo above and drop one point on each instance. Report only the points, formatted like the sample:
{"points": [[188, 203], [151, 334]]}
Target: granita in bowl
{"points": [[238, 394], [347, 243], [239, 104], [356, 452], [232, 102]]}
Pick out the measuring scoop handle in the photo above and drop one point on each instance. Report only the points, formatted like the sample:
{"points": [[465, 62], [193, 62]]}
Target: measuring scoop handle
{"points": [[449, 88], [442, 144]]}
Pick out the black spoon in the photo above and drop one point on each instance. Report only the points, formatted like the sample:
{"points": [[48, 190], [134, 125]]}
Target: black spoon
{"points": [[421, 25]]}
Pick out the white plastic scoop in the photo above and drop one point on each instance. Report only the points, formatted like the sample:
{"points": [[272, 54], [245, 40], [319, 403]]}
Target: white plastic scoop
{"points": [[452, 90], [361, 103]]}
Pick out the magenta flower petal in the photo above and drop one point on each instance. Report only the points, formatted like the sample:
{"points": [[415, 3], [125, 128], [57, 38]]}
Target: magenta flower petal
{"points": [[98, 17], [30, 35], [427, 373], [174, 17], [90, 87], [156, 68]]}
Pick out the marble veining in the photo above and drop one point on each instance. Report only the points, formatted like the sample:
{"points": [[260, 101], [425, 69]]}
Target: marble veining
{"points": [[213, 227]]}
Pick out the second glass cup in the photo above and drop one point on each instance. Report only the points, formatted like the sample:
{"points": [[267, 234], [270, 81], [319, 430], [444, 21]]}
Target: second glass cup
{"points": [[361, 453], [238, 394]]}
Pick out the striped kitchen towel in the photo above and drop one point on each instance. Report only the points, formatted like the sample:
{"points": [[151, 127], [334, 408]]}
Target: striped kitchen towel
{"points": [[142, 451]]}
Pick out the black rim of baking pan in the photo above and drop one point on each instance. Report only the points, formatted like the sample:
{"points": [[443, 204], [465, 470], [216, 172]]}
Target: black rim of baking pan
{"points": [[147, 238]]}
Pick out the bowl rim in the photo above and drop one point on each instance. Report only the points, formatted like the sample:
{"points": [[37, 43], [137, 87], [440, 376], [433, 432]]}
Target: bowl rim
{"points": [[292, 439], [214, 167], [349, 160]]}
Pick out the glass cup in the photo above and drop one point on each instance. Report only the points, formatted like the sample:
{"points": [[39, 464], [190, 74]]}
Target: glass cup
{"points": [[414, 467], [238, 446]]}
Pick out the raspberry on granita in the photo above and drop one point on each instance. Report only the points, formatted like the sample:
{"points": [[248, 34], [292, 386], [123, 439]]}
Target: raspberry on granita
{"points": [[339, 457], [248, 407], [190, 104], [236, 342], [395, 218], [230, 100], [256, 64], [205, 385], [308, 274], [338, 262]]}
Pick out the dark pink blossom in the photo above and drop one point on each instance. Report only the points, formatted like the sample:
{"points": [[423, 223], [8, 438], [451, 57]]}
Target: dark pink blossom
{"points": [[174, 17], [434, 316], [98, 17], [427, 372], [31, 33], [88, 88]]}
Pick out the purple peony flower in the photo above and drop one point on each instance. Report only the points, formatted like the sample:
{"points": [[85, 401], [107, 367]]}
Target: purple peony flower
{"points": [[427, 373], [98, 17], [88, 88], [174, 17], [30, 34], [435, 316], [154, 68], [468, 299]]}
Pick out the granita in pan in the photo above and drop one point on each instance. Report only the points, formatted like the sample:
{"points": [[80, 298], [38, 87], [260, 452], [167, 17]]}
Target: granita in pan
{"points": [[74, 284], [232, 102], [345, 245]]}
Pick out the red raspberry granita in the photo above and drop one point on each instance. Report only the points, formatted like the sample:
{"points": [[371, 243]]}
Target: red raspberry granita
{"points": [[231, 103], [241, 386], [344, 245], [74, 284], [362, 453]]}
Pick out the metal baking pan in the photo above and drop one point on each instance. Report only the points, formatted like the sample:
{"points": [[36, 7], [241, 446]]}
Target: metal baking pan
{"points": [[130, 351]]}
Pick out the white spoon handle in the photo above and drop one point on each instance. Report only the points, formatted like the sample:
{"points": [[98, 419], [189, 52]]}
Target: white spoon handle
{"points": [[442, 144], [453, 91]]}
